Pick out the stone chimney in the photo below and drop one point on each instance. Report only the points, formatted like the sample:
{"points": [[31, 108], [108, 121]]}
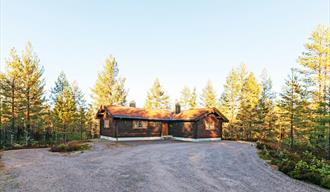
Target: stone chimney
{"points": [[132, 104], [177, 108]]}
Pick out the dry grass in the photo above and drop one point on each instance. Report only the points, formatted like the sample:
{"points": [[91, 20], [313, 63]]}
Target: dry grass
{"points": [[70, 146], [1, 163]]}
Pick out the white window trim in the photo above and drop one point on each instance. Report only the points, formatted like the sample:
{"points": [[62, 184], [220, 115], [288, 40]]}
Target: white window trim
{"points": [[144, 124], [106, 123], [209, 126]]}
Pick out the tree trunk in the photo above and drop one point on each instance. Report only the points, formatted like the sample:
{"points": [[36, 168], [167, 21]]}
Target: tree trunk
{"points": [[28, 124], [328, 144], [81, 132], [1, 128], [291, 118], [13, 109], [291, 132], [64, 129]]}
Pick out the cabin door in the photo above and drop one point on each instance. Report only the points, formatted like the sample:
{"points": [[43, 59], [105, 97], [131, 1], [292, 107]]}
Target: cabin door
{"points": [[164, 129]]}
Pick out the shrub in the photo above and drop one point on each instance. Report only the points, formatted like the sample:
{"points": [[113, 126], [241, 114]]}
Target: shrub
{"points": [[304, 171], [286, 166], [312, 177], [325, 182], [314, 170], [267, 144], [302, 162], [69, 147]]}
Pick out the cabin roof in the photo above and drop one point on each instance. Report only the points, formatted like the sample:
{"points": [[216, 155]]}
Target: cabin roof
{"points": [[133, 112], [161, 115]]}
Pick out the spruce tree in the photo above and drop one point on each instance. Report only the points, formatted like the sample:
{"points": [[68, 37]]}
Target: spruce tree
{"points": [[60, 84], [291, 103], [157, 99], [265, 108], [65, 110], [81, 109]]}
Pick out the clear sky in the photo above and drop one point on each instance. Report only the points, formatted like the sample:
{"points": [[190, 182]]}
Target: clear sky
{"points": [[182, 42]]}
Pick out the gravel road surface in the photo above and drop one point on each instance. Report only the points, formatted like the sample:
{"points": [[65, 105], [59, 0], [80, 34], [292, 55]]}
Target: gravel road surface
{"points": [[146, 166]]}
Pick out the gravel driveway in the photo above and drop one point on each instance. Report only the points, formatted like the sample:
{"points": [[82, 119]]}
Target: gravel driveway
{"points": [[147, 166]]}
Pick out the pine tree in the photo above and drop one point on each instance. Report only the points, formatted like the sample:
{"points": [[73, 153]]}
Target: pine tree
{"points": [[185, 97], [188, 98], [109, 89], [248, 101], [316, 59], [32, 92], [193, 99], [11, 94], [2, 118], [157, 99], [209, 97], [229, 101]]}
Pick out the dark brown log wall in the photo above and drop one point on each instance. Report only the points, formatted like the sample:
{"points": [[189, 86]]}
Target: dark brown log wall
{"points": [[181, 129], [107, 131], [202, 132], [191, 129], [125, 129]]}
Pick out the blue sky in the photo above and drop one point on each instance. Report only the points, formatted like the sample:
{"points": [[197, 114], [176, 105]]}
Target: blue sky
{"points": [[181, 42]]}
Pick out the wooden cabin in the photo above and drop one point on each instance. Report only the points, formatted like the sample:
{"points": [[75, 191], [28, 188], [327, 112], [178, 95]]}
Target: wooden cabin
{"points": [[131, 123]]}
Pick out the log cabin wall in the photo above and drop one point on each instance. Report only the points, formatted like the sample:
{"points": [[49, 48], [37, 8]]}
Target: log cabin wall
{"points": [[181, 129], [125, 128], [209, 132], [110, 132]]}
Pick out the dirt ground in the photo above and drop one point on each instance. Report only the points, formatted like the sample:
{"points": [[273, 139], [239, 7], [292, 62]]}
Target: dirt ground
{"points": [[146, 166]]}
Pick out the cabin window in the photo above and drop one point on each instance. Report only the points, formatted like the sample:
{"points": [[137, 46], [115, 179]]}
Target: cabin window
{"points": [[186, 126], [106, 123], [209, 125], [140, 124], [154, 124]]}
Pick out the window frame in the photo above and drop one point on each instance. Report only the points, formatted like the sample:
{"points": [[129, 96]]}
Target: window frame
{"points": [[106, 123], [139, 124], [210, 126]]}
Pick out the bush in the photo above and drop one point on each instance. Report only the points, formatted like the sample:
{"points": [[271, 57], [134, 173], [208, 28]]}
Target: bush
{"points": [[325, 182], [286, 166], [302, 162], [69, 147], [311, 169], [304, 171], [267, 145]]}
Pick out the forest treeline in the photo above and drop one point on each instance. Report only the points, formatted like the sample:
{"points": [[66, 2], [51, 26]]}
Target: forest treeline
{"points": [[31, 114]]}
